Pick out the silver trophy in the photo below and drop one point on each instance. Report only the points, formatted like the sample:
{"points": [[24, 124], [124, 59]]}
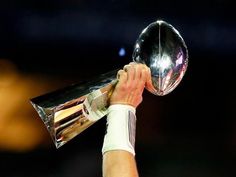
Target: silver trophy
{"points": [[69, 111]]}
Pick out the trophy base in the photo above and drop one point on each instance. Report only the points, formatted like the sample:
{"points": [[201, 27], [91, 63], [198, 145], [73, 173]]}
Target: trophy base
{"points": [[69, 111]]}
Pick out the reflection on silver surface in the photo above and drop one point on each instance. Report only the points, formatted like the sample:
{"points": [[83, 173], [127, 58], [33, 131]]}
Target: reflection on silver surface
{"points": [[163, 50], [69, 111]]}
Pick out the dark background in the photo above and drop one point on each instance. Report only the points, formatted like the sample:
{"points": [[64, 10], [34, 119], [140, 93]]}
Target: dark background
{"points": [[189, 133]]}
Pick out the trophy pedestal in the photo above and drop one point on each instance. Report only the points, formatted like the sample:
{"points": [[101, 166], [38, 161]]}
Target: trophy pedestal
{"points": [[71, 110]]}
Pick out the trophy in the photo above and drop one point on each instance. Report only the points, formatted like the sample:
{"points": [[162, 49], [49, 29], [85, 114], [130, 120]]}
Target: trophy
{"points": [[69, 111]]}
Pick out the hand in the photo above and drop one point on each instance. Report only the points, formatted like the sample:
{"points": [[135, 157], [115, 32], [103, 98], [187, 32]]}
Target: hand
{"points": [[131, 83]]}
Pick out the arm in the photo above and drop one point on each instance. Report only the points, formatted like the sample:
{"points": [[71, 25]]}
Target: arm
{"points": [[118, 146], [119, 163]]}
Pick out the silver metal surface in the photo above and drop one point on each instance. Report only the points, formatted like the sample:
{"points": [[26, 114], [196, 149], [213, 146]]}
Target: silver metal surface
{"points": [[69, 111], [163, 50]]}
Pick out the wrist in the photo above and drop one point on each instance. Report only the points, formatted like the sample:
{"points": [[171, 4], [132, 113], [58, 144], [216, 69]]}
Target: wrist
{"points": [[121, 125], [121, 107]]}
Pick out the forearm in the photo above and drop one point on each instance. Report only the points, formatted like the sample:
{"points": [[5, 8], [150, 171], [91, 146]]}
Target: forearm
{"points": [[119, 163], [119, 142], [118, 147]]}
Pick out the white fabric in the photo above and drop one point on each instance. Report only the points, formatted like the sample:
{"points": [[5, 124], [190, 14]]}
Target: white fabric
{"points": [[121, 124]]}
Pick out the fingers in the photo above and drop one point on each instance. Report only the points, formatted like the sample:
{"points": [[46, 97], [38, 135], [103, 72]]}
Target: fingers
{"points": [[131, 82], [135, 72], [142, 72], [131, 75], [122, 76], [137, 75], [149, 84], [141, 79]]}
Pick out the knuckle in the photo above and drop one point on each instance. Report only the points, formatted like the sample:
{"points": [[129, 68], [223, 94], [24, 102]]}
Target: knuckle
{"points": [[126, 67]]}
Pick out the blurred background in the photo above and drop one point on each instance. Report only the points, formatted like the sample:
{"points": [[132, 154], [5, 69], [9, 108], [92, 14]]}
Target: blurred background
{"points": [[48, 44]]}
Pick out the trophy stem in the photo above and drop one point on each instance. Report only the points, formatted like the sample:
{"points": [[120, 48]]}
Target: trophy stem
{"points": [[69, 111]]}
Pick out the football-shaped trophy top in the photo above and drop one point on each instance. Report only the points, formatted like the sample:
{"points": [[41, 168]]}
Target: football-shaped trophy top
{"points": [[161, 47]]}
